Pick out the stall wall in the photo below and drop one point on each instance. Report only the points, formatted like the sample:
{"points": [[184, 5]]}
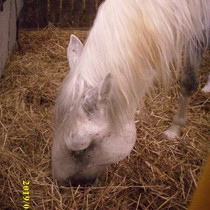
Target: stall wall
{"points": [[8, 19]]}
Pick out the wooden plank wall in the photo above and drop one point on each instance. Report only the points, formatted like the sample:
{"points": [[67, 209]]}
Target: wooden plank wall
{"points": [[9, 12], [63, 13]]}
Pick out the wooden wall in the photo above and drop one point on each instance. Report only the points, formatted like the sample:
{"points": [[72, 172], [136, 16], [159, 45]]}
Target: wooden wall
{"points": [[9, 11], [63, 13]]}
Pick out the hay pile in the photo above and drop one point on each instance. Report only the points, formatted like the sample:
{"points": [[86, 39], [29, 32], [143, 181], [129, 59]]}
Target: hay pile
{"points": [[159, 173]]}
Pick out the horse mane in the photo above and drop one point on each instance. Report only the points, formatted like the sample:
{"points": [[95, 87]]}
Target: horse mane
{"points": [[138, 42]]}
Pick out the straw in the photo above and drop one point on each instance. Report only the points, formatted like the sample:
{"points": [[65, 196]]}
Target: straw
{"points": [[158, 174]]}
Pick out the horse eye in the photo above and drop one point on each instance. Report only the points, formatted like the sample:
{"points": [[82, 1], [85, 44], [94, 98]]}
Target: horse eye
{"points": [[73, 135]]}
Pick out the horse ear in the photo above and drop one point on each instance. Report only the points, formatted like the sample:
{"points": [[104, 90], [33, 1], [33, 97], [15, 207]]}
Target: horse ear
{"points": [[98, 97], [74, 50]]}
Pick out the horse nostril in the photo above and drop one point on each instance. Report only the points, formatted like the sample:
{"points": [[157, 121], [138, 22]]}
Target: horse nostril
{"points": [[79, 152]]}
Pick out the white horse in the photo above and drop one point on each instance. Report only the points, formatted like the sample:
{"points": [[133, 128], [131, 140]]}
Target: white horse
{"points": [[132, 45]]}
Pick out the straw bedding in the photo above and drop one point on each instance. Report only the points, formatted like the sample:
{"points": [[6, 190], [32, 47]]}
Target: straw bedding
{"points": [[159, 173]]}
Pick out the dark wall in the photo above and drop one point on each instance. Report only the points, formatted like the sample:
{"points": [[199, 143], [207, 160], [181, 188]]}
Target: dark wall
{"points": [[63, 13]]}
